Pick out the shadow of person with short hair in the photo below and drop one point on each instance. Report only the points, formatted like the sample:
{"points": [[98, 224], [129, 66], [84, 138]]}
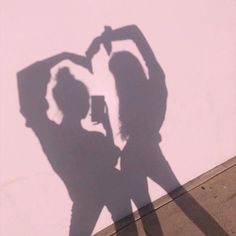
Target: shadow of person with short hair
{"points": [[84, 160]]}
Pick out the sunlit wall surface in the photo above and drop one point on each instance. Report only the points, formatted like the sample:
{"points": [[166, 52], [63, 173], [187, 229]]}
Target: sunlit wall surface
{"points": [[195, 44]]}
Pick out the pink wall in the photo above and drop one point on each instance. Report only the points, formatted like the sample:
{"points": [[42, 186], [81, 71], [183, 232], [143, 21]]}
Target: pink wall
{"points": [[195, 43]]}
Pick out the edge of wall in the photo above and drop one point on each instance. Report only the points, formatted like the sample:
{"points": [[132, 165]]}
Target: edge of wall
{"points": [[111, 230]]}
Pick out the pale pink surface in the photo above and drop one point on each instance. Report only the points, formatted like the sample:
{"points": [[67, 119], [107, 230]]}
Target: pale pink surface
{"points": [[194, 41]]}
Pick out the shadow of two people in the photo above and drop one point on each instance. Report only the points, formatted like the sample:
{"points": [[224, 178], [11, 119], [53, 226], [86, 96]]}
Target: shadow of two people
{"points": [[85, 160]]}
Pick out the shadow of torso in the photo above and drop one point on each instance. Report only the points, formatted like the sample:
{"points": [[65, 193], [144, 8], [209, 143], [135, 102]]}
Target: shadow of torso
{"points": [[84, 160]]}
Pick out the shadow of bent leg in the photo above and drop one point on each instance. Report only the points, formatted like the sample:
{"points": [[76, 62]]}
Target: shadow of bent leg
{"points": [[151, 223]]}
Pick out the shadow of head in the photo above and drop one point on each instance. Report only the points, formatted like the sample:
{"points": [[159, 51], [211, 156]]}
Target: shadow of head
{"points": [[127, 70], [71, 95]]}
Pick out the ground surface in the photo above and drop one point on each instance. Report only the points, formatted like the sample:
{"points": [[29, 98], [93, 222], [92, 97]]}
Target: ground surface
{"points": [[216, 195]]}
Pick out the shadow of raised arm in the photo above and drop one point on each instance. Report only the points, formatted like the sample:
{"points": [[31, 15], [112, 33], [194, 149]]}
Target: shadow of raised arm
{"points": [[32, 86], [132, 32]]}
